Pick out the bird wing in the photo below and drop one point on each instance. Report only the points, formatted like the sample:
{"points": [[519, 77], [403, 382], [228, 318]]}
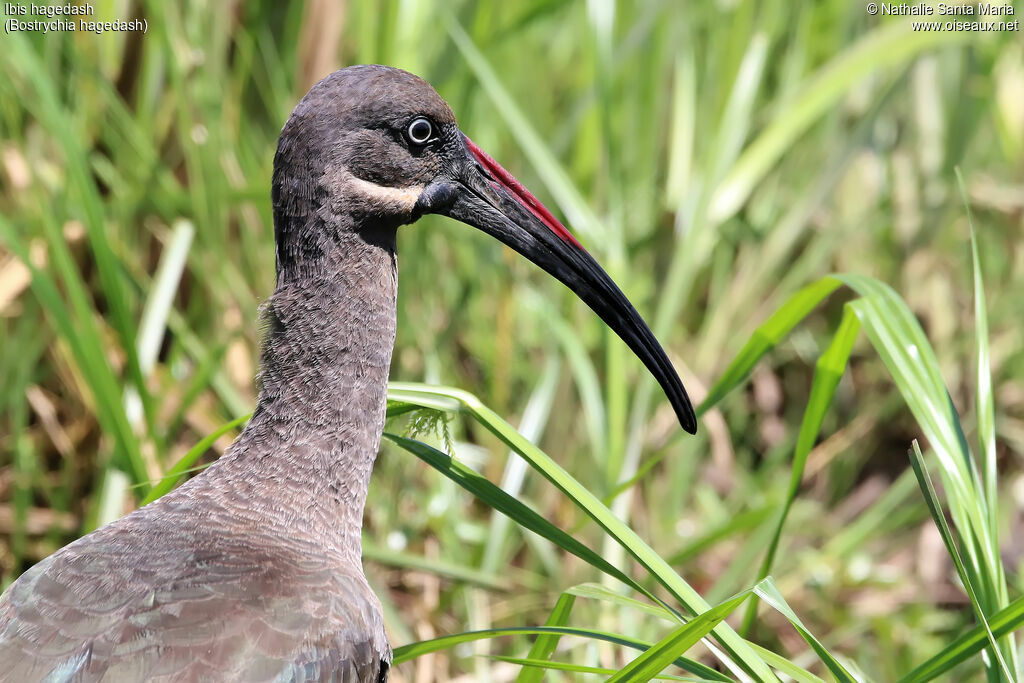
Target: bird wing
{"points": [[190, 609]]}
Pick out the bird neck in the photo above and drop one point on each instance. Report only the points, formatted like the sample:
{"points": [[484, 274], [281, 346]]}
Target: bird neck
{"points": [[310, 446]]}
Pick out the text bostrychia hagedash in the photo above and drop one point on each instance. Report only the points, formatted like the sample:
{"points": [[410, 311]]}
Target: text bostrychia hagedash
{"points": [[252, 570]]}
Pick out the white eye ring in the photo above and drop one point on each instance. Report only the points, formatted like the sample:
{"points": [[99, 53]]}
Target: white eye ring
{"points": [[420, 131]]}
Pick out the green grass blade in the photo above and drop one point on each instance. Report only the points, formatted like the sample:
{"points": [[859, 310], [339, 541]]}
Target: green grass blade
{"points": [[595, 591], [456, 572], [933, 408], [534, 420], [499, 500], [766, 336], [935, 508], [827, 373], [668, 649], [682, 129], [77, 326], [1003, 623], [767, 591], [157, 308], [985, 412], [587, 383], [740, 524], [888, 46], [58, 121], [408, 652], [542, 665], [589, 503], [787, 667], [577, 211], [109, 505], [983, 401], [545, 645], [161, 298], [907, 354]]}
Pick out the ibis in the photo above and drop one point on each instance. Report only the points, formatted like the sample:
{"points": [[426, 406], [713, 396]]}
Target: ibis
{"points": [[252, 570]]}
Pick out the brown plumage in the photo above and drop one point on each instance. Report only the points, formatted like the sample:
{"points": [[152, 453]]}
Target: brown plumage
{"points": [[252, 570]]}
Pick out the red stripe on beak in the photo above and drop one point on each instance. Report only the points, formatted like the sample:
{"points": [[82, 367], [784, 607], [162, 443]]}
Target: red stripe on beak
{"points": [[524, 196]]}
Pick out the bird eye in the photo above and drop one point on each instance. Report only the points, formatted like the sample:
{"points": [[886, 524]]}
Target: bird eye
{"points": [[420, 131]]}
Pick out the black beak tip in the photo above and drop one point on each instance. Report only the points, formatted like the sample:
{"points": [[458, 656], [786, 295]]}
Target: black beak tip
{"points": [[685, 413], [690, 423]]}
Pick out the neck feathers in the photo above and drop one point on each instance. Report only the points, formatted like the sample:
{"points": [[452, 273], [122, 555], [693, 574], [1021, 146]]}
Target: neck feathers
{"points": [[312, 441]]}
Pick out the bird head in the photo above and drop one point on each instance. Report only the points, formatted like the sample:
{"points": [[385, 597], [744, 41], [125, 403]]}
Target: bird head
{"points": [[380, 143]]}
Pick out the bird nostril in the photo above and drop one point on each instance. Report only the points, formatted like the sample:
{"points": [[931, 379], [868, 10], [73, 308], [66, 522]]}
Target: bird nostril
{"points": [[484, 172], [436, 197]]}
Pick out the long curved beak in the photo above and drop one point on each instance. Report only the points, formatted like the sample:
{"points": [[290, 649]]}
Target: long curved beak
{"points": [[489, 198]]}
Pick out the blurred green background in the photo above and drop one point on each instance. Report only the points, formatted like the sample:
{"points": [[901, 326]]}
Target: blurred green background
{"points": [[714, 156]]}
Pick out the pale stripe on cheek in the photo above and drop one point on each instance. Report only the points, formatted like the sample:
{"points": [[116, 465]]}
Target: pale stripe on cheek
{"points": [[399, 199]]}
